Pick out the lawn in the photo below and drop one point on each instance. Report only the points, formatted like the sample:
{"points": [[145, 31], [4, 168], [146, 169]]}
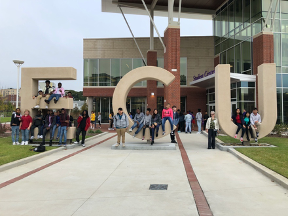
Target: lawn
{"points": [[5, 119], [9, 152], [275, 159]]}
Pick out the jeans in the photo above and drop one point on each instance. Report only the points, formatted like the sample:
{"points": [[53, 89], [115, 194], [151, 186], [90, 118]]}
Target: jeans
{"points": [[188, 127], [153, 131], [39, 130], [25, 135], [57, 96], [140, 127], [211, 138], [53, 131], [144, 129], [163, 123], [44, 134], [240, 126], [15, 131], [247, 132], [199, 122], [63, 133], [78, 131]]}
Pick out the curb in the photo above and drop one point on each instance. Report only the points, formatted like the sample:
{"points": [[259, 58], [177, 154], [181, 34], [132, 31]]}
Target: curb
{"points": [[32, 158], [281, 180]]}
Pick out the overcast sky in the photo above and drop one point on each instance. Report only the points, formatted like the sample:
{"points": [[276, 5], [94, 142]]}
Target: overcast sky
{"points": [[50, 33]]}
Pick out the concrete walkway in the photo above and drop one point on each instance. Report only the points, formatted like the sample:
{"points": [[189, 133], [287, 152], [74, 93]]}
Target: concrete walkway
{"points": [[101, 181]]}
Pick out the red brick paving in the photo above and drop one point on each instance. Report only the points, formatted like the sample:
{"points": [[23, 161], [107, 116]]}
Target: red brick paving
{"points": [[4, 184], [199, 197]]}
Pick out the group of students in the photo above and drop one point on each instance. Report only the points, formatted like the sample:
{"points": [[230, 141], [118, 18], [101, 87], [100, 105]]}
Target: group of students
{"points": [[187, 121], [49, 122], [93, 120], [141, 121]]}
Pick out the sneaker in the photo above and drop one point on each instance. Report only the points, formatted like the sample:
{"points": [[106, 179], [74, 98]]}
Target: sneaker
{"points": [[46, 107], [37, 106], [55, 101], [173, 141], [32, 137], [130, 130], [76, 142], [186, 132], [256, 140], [41, 136], [57, 138], [117, 144], [134, 135], [156, 134], [22, 143], [179, 131], [38, 136], [152, 142], [65, 145], [241, 139], [50, 143], [235, 136], [59, 145], [123, 144], [83, 144], [13, 143], [46, 101], [257, 134], [163, 133], [143, 138], [26, 143], [190, 132], [17, 143]]}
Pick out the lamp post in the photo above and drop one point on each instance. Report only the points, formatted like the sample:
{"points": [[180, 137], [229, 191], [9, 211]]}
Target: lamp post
{"points": [[18, 63]]}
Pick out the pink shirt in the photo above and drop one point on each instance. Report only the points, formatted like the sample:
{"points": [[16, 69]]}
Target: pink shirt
{"points": [[57, 91], [167, 113]]}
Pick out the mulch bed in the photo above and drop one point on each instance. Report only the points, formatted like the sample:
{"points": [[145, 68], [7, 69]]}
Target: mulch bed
{"points": [[239, 144]]}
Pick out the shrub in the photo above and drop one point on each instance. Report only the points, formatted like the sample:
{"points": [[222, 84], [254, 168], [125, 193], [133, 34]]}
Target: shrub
{"points": [[95, 132], [3, 128], [279, 128]]}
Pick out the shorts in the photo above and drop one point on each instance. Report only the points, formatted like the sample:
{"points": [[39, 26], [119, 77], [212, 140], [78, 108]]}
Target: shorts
{"points": [[92, 122]]}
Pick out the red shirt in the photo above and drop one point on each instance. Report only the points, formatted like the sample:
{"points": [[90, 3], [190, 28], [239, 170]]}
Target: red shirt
{"points": [[238, 120], [26, 120]]}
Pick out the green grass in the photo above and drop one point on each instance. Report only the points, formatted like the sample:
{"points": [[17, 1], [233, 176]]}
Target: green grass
{"points": [[10, 153], [275, 159], [5, 119]]}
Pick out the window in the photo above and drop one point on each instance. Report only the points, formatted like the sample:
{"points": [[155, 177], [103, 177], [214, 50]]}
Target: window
{"points": [[284, 9], [246, 94], [246, 12], [104, 72], [238, 13], [279, 105], [255, 10], [115, 71], [277, 49], [231, 17], [93, 72], [284, 49], [126, 66], [230, 59], [183, 71], [224, 16], [246, 57], [86, 72]]}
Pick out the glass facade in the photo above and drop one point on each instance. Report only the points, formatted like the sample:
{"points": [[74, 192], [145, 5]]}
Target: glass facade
{"points": [[235, 24], [108, 72]]}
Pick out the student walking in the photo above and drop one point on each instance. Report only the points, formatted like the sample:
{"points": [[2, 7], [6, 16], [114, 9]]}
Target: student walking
{"points": [[147, 123], [83, 125], [212, 126], [25, 125], [121, 124], [50, 121], [205, 119], [199, 121], [156, 121], [64, 121], [238, 120], [99, 119], [188, 121], [255, 120], [93, 118], [248, 126], [138, 122], [167, 114], [111, 116], [15, 123]]}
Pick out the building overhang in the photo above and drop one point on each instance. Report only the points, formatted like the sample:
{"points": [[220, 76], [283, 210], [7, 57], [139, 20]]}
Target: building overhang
{"points": [[191, 9], [209, 81]]}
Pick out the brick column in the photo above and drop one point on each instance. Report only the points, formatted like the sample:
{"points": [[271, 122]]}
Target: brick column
{"points": [[216, 60], [263, 52], [151, 84], [172, 64]]}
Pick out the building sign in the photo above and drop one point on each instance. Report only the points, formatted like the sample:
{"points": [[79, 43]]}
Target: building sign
{"points": [[200, 76]]}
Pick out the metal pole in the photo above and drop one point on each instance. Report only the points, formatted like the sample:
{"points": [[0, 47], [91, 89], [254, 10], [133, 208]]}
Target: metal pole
{"points": [[179, 15], [18, 68], [143, 59], [272, 25], [170, 11], [151, 31], [268, 15], [154, 25]]}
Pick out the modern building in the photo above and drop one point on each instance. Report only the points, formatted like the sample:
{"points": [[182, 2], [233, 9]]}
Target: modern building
{"points": [[10, 95], [247, 33]]}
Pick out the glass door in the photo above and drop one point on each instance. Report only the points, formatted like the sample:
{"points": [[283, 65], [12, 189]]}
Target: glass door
{"points": [[233, 107]]}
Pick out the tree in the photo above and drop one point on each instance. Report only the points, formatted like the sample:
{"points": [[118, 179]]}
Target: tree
{"points": [[75, 112], [2, 103], [77, 95], [84, 107]]}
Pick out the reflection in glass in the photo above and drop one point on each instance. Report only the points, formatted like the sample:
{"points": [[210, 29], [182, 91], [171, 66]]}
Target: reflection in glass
{"points": [[93, 72], [224, 16], [230, 59], [246, 12], [285, 104], [285, 49], [237, 59], [126, 66], [238, 12], [279, 105], [246, 94], [231, 16], [246, 57], [115, 71], [277, 49], [284, 9], [183, 71], [104, 72]]}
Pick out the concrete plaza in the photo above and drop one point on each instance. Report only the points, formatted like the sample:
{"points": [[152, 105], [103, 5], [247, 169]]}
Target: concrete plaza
{"points": [[102, 181]]}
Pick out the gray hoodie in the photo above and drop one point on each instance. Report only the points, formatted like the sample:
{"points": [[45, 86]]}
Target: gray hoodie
{"points": [[147, 120], [139, 117], [199, 116], [120, 123]]}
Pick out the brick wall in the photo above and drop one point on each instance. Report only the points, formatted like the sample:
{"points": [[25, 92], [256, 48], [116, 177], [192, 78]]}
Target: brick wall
{"points": [[172, 61], [151, 84]]}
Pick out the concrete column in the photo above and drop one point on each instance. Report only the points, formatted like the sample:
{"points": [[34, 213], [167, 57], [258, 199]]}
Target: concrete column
{"points": [[152, 84], [90, 104], [263, 52], [172, 64]]}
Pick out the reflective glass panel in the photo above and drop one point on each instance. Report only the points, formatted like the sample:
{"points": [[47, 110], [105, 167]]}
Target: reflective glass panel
{"points": [[284, 49], [237, 59], [279, 105], [246, 57], [183, 71], [284, 9], [93, 72], [278, 80], [238, 12], [246, 12], [104, 72], [126, 66], [255, 10], [230, 59], [115, 71], [246, 94], [285, 80], [277, 49]]}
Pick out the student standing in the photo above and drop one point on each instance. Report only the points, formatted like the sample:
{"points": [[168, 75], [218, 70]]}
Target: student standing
{"points": [[57, 125], [92, 120], [175, 122], [212, 126], [15, 123], [155, 124], [255, 120], [199, 120], [238, 120], [147, 122], [83, 125], [181, 122], [111, 116], [205, 119], [25, 125], [138, 122], [188, 121], [121, 124], [99, 119], [167, 114], [64, 121]]}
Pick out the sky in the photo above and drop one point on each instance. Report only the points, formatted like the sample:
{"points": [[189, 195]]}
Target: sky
{"points": [[50, 33]]}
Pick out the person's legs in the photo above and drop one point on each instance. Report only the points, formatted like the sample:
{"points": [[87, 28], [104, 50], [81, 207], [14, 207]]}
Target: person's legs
{"points": [[61, 135], [65, 134], [23, 135], [189, 127], [157, 129], [123, 131], [204, 125], [13, 128], [38, 98], [247, 134], [199, 125], [57, 96], [210, 138], [51, 97], [118, 131], [186, 128], [239, 126], [27, 135], [32, 130], [39, 130], [83, 136], [213, 139], [59, 131], [243, 131], [258, 125], [163, 123], [44, 135], [171, 123], [53, 131], [17, 134], [152, 132], [77, 134], [144, 129], [134, 125], [139, 129], [251, 132]]}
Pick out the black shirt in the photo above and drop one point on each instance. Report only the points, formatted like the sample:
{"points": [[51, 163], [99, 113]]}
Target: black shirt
{"points": [[206, 117], [83, 123]]}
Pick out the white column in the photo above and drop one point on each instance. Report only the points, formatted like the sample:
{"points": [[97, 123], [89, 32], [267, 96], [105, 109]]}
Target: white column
{"points": [[90, 104], [17, 99]]}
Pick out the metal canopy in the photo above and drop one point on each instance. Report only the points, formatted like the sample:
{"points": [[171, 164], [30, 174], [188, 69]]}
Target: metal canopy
{"points": [[209, 81]]}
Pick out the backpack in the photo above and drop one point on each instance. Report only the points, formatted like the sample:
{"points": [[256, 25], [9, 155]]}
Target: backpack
{"points": [[40, 148]]}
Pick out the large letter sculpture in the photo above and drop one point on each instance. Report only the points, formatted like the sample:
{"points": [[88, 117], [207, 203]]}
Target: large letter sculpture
{"points": [[267, 100], [129, 80]]}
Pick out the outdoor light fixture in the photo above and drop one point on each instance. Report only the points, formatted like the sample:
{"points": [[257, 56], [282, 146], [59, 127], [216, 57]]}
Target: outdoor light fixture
{"points": [[18, 63], [152, 93]]}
